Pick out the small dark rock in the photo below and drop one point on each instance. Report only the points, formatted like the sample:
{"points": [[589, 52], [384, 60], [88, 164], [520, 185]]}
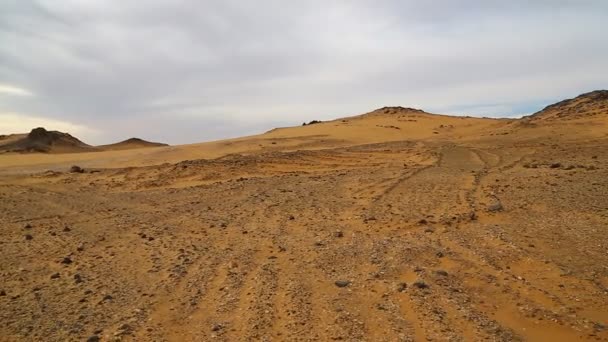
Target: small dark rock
{"points": [[55, 276], [371, 218], [421, 284], [27, 226], [77, 278], [2, 293], [342, 283], [339, 234], [107, 297], [439, 254], [80, 248], [401, 287], [217, 327], [429, 230], [28, 237], [66, 229], [93, 338], [66, 261], [441, 273], [291, 218], [76, 169], [555, 165]]}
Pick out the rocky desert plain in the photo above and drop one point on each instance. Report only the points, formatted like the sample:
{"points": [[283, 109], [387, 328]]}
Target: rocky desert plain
{"points": [[395, 225]]}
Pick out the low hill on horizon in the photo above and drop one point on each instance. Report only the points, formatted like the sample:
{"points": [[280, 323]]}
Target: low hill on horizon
{"points": [[43, 141], [131, 143], [40, 140]]}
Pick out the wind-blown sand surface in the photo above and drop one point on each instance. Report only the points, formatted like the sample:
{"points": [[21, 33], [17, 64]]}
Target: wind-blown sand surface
{"points": [[397, 225]]}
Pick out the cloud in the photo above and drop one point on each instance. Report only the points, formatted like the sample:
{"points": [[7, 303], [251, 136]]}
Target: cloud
{"points": [[19, 123], [12, 90], [184, 63]]}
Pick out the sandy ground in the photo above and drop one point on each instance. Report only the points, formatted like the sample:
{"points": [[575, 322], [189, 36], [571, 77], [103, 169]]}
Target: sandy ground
{"points": [[392, 226]]}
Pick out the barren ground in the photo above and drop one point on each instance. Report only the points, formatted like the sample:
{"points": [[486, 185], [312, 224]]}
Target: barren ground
{"points": [[436, 228]]}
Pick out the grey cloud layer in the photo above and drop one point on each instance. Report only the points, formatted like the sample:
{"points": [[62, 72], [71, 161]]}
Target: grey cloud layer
{"points": [[134, 67]]}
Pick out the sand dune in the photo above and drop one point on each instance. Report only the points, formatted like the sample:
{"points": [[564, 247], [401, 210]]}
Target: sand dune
{"points": [[394, 225]]}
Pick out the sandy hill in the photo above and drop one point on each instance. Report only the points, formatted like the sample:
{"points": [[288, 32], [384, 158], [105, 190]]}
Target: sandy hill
{"points": [[41, 140], [132, 143], [585, 106], [382, 125]]}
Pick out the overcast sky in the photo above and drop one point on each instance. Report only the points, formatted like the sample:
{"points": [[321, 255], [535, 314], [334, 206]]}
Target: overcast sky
{"points": [[181, 71]]}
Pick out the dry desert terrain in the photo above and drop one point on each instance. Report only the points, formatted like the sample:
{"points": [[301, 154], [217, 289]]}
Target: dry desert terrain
{"points": [[395, 225]]}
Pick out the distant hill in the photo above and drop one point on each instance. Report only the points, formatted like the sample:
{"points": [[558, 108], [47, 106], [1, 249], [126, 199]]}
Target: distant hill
{"points": [[583, 116], [41, 140], [132, 143]]}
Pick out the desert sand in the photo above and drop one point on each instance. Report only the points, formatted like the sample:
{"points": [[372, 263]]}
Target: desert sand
{"points": [[395, 225]]}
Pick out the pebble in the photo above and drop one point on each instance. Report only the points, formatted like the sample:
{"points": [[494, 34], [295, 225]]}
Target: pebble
{"points": [[55, 276], [495, 207], [342, 283], [421, 284], [66, 261], [28, 237], [93, 338]]}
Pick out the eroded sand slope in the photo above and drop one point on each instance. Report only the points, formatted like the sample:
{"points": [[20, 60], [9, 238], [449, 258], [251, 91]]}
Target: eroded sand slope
{"points": [[435, 227]]}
